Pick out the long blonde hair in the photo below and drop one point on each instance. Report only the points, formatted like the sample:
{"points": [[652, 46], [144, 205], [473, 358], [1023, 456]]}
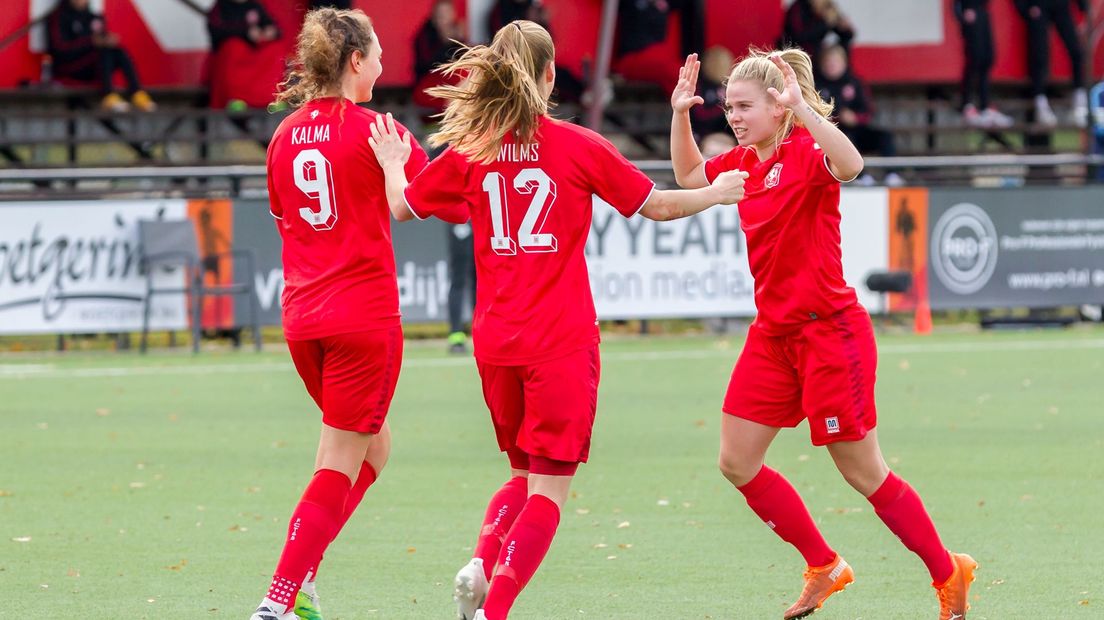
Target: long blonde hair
{"points": [[498, 93], [328, 38], [758, 67]]}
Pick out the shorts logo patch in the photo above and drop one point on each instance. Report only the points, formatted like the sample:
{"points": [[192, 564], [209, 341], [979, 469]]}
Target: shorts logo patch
{"points": [[832, 424], [773, 176]]}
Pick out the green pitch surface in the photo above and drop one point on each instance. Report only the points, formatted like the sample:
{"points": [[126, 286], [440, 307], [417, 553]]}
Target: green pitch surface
{"points": [[160, 487]]}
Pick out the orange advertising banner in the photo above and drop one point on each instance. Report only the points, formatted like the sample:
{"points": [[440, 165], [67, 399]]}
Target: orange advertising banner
{"points": [[908, 244], [215, 231]]}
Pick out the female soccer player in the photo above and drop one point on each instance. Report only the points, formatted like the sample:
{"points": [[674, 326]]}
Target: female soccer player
{"points": [[340, 300], [528, 182], [810, 354]]}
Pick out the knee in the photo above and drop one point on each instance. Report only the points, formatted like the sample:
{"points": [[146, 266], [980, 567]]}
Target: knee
{"points": [[864, 480], [738, 471]]}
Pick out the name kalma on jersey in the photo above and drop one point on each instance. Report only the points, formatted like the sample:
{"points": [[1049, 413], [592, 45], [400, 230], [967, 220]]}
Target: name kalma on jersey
{"points": [[310, 134]]}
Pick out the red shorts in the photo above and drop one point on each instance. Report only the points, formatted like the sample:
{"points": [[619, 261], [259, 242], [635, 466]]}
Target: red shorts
{"points": [[545, 409], [824, 371], [351, 377]]}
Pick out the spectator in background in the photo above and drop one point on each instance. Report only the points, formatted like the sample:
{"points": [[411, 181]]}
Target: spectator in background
{"points": [[569, 86], [853, 109], [709, 118], [977, 39], [815, 24], [641, 51], [438, 39], [461, 266], [83, 49], [245, 66], [1039, 15]]}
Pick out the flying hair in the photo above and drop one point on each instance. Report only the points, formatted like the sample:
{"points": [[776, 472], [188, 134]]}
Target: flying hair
{"points": [[498, 91]]}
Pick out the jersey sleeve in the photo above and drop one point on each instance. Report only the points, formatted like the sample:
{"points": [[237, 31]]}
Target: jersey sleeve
{"points": [[439, 190], [722, 163], [816, 165], [614, 179]]}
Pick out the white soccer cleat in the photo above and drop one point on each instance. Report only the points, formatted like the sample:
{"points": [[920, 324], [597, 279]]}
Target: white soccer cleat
{"points": [[470, 590], [479, 615], [267, 612]]}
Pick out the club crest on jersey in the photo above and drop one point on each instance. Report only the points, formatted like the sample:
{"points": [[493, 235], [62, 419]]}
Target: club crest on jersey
{"points": [[314, 114], [773, 176]]}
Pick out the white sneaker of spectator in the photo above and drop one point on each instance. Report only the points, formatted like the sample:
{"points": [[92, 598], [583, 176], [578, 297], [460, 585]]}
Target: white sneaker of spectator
{"points": [[1079, 115], [992, 117], [893, 180], [971, 116], [865, 180], [1044, 115]]}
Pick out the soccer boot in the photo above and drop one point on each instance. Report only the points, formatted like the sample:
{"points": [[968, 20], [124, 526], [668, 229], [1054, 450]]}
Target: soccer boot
{"points": [[307, 606], [267, 612], [479, 615], [470, 590], [953, 595], [820, 583]]}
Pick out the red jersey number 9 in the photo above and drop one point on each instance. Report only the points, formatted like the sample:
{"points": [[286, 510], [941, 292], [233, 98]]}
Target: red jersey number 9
{"points": [[529, 236], [314, 178]]}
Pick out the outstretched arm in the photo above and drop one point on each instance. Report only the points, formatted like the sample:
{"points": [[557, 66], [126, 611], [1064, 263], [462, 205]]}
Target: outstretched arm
{"points": [[672, 204], [844, 160], [392, 152], [686, 159]]}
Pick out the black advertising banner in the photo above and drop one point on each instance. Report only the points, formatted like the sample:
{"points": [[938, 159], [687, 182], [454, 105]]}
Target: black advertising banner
{"points": [[1022, 247], [421, 259]]}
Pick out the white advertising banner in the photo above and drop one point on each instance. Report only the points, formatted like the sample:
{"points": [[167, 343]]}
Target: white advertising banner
{"points": [[698, 266], [74, 267]]}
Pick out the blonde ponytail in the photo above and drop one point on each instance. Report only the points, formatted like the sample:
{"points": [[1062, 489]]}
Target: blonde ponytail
{"points": [[498, 92], [758, 67]]}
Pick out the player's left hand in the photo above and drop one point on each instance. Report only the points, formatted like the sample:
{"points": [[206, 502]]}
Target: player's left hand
{"points": [[386, 143], [790, 96]]}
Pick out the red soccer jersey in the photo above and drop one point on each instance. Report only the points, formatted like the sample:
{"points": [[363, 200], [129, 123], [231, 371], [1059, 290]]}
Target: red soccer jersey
{"points": [[531, 213], [790, 214], [326, 190]]}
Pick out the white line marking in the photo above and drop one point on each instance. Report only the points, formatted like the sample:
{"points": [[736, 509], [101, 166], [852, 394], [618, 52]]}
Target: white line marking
{"points": [[51, 371]]}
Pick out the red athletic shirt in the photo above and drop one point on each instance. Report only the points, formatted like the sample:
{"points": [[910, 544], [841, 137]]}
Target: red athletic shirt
{"points": [[531, 214], [326, 190], [790, 214]]}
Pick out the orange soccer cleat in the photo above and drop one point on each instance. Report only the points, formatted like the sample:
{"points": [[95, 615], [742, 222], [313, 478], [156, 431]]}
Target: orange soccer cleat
{"points": [[953, 595], [820, 583]]}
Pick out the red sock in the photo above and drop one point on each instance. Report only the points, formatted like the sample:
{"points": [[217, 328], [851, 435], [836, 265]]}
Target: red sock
{"points": [[365, 478], [899, 506], [312, 527], [777, 503], [501, 513], [526, 544]]}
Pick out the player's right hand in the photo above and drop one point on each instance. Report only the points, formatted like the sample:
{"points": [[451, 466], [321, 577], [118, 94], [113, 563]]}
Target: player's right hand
{"points": [[729, 186], [389, 148], [685, 95]]}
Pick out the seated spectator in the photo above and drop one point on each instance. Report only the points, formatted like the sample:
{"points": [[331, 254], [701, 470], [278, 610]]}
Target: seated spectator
{"points": [[813, 25], [853, 108], [717, 143], [569, 86], [1038, 16], [84, 50], [642, 53], [438, 39], [245, 65], [710, 116]]}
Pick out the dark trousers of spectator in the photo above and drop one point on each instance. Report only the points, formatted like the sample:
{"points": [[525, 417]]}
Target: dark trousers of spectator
{"points": [[1055, 12], [461, 262], [108, 61], [977, 41], [871, 140]]}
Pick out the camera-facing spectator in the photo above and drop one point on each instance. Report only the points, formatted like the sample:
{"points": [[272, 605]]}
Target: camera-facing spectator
{"points": [[813, 25], [853, 108], [440, 37], [709, 117], [84, 50], [245, 64]]}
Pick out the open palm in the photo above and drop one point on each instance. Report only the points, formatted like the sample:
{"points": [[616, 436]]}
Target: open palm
{"points": [[685, 96], [386, 143], [790, 96]]}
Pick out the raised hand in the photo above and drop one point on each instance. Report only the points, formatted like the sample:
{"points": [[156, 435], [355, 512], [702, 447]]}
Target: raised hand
{"points": [[730, 186], [685, 96], [389, 148], [790, 96]]}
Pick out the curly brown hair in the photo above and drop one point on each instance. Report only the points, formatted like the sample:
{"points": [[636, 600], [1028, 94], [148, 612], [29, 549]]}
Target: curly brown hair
{"points": [[328, 38]]}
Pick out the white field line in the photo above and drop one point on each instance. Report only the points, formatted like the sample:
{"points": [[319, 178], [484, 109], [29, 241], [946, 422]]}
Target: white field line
{"points": [[50, 371]]}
